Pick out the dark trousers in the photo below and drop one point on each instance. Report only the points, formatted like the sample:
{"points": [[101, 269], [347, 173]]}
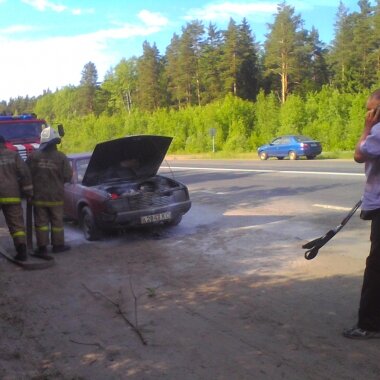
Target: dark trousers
{"points": [[49, 221], [14, 217], [369, 309]]}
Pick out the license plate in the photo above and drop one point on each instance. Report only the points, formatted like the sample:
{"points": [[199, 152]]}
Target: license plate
{"points": [[156, 217], [313, 144]]}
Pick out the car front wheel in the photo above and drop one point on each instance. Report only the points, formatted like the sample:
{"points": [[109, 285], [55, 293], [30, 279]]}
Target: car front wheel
{"points": [[263, 156], [292, 155], [87, 222]]}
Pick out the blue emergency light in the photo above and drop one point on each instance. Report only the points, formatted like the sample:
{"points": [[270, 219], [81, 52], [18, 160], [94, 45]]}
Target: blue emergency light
{"points": [[24, 116]]}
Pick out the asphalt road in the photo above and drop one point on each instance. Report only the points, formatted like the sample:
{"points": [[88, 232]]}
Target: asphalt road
{"points": [[335, 183], [310, 197]]}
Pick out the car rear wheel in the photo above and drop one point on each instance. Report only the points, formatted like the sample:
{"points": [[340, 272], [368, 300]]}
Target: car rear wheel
{"points": [[310, 157], [292, 155], [263, 156], [87, 222]]}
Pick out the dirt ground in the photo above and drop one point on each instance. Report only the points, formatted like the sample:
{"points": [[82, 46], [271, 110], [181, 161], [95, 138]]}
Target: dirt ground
{"points": [[217, 297]]}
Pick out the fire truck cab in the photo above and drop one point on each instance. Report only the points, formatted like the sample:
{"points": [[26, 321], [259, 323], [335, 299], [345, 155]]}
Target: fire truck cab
{"points": [[22, 133]]}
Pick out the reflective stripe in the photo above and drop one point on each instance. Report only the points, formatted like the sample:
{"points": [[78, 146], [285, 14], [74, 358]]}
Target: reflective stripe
{"points": [[28, 187], [10, 200], [42, 228], [18, 233], [57, 229], [48, 203]]}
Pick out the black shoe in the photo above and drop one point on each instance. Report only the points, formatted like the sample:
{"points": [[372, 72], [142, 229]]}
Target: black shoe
{"points": [[41, 251], [21, 253], [358, 333], [61, 248]]}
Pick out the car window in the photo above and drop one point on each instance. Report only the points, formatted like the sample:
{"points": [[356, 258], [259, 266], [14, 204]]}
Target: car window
{"points": [[285, 140], [81, 168], [276, 141], [302, 138]]}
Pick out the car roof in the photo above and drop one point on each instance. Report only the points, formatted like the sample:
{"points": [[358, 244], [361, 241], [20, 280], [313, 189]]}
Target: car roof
{"points": [[302, 136]]}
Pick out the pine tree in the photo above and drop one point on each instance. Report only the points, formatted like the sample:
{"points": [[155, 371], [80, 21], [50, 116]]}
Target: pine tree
{"points": [[231, 59], [248, 72], [190, 48], [363, 44], [87, 88], [210, 65], [375, 55], [172, 71], [319, 68], [340, 56], [148, 78], [282, 47]]}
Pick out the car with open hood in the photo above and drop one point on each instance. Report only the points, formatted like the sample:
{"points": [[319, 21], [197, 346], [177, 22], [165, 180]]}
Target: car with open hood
{"points": [[117, 186]]}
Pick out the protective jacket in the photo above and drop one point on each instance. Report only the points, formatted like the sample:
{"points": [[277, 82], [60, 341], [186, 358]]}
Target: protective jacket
{"points": [[15, 177], [50, 169]]}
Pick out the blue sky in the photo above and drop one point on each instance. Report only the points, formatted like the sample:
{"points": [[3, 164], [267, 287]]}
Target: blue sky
{"points": [[46, 43]]}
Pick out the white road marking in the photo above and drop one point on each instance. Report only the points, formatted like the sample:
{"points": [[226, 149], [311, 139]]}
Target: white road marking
{"points": [[331, 207], [237, 170]]}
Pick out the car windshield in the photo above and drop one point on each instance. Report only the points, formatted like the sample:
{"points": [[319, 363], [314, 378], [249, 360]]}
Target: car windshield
{"points": [[21, 131], [81, 168]]}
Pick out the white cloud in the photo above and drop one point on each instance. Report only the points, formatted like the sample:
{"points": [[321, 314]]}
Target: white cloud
{"points": [[50, 63], [152, 19], [224, 11], [43, 5], [16, 29], [54, 62], [78, 11]]}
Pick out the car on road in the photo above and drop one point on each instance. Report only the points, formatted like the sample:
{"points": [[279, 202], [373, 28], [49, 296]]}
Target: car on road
{"points": [[117, 186], [292, 146]]}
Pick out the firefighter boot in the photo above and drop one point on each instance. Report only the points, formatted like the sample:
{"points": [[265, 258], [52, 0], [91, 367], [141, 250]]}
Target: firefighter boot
{"points": [[41, 251], [21, 252], [60, 248]]}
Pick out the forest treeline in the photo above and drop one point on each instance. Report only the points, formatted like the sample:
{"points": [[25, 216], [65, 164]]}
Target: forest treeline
{"points": [[224, 81]]}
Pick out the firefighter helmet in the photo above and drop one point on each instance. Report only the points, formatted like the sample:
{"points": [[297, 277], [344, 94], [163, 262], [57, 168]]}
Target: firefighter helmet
{"points": [[48, 137]]}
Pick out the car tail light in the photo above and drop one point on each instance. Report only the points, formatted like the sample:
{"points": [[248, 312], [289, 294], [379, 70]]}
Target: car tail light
{"points": [[304, 145], [114, 196]]}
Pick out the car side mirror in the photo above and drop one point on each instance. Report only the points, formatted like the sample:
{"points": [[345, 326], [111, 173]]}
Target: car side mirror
{"points": [[61, 130]]}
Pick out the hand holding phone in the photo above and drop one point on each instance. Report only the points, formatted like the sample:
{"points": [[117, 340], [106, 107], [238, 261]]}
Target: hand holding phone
{"points": [[373, 116]]}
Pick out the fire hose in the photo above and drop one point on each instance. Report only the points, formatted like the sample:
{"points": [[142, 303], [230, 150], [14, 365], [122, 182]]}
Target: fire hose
{"points": [[314, 245]]}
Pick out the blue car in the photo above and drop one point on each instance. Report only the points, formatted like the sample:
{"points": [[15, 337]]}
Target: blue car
{"points": [[292, 146]]}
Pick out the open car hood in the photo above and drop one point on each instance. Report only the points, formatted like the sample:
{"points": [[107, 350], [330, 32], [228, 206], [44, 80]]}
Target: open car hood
{"points": [[130, 158]]}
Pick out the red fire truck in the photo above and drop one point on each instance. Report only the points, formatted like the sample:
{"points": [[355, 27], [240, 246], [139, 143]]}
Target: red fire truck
{"points": [[22, 133]]}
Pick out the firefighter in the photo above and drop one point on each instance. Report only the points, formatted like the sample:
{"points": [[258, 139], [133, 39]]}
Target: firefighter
{"points": [[15, 180], [50, 169]]}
